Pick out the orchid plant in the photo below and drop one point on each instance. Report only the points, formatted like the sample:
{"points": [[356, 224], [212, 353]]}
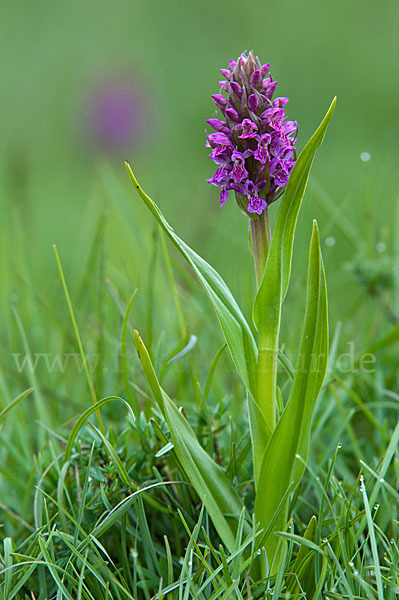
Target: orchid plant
{"points": [[254, 148]]}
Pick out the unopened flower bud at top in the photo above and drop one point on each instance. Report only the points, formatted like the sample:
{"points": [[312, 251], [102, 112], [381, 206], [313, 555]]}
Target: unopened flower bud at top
{"points": [[254, 146]]}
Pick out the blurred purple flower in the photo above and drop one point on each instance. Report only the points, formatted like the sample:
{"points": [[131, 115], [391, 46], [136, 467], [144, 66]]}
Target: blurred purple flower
{"points": [[116, 112]]}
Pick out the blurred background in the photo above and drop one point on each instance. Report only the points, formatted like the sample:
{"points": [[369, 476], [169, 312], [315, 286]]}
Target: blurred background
{"points": [[86, 85]]}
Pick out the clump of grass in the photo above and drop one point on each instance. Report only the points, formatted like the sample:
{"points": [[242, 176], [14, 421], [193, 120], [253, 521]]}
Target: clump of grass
{"points": [[95, 500], [118, 519]]}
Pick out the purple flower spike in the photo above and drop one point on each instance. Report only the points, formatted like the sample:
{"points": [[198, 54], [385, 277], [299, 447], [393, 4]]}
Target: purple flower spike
{"points": [[254, 145]]}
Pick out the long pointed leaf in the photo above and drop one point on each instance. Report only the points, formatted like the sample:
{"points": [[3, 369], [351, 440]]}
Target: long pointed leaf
{"points": [[280, 467], [235, 328], [267, 307], [210, 482]]}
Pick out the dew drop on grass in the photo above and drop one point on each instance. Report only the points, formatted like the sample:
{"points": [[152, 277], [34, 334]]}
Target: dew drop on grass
{"points": [[365, 156], [381, 480], [381, 247], [351, 564], [356, 572], [330, 241], [324, 540], [376, 506], [339, 445]]}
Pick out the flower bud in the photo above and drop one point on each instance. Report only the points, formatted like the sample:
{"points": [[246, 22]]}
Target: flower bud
{"points": [[253, 102]]}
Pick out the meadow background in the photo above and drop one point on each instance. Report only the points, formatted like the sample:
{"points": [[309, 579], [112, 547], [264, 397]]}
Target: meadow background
{"points": [[59, 184]]}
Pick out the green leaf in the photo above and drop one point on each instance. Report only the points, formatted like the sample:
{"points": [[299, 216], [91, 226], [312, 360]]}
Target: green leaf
{"points": [[303, 566], [271, 293], [210, 482], [292, 199], [280, 467], [14, 402], [235, 328]]}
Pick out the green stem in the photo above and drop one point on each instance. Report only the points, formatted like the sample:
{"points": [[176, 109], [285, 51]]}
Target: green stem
{"points": [[266, 377], [260, 238]]}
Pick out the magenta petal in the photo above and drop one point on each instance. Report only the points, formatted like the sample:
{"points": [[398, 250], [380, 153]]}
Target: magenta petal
{"points": [[256, 205], [223, 195], [264, 69], [256, 78], [236, 88], [226, 73], [253, 102], [271, 88], [218, 125], [232, 114], [280, 102], [220, 101]]}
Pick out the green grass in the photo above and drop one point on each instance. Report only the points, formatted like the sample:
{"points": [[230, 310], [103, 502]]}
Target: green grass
{"points": [[117, 519]]}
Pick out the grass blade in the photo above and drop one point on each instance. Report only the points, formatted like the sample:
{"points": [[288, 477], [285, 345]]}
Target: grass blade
{"points": [[86, 415], [77, 335], [14, 402]]}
